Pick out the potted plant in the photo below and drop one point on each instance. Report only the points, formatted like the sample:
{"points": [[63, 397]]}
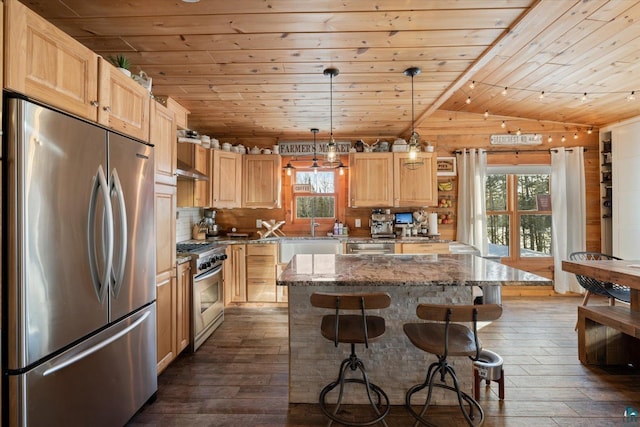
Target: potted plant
{"points": [[122, 63]]}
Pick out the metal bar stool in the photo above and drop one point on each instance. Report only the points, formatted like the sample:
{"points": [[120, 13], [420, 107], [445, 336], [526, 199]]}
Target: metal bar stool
{"points": [[353, 329], [444, 338]]}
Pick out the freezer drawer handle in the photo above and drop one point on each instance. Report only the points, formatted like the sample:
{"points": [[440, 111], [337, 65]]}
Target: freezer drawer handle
{"points": [[101, 286], [96, 347], [116, 189]]}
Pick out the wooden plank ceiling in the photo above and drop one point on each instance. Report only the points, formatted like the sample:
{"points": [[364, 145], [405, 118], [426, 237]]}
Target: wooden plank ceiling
{"points": [[254, 68]]}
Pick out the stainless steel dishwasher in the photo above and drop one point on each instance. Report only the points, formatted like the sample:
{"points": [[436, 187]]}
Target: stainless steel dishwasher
{"points": [[372, 248]]}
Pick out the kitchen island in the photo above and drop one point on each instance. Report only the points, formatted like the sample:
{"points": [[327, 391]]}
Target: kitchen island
{"points": [[392, 361]]}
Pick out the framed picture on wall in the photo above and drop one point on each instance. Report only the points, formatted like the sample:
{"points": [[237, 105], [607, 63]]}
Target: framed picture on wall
{"points": [[446, 166]]}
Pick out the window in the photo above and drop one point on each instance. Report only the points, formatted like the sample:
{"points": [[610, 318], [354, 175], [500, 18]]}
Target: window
{"points": [[320, 201], [518, 213]]}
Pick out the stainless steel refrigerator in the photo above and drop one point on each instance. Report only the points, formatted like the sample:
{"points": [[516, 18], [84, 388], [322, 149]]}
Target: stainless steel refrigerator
{"points": [[78, 270]]}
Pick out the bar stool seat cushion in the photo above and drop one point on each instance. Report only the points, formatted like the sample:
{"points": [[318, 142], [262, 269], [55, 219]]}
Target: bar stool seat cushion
{"points": [[350, 328], [430, 338]]}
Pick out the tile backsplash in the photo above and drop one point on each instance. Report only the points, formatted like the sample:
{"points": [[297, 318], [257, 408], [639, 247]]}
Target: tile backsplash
{"points": [[187, 218]]}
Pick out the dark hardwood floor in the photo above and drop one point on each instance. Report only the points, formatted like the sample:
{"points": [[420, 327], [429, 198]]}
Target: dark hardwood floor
{"points": [[239, 376]]}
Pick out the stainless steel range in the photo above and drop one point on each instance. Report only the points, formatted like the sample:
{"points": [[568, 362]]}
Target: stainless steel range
{"points": [[207, 306]]}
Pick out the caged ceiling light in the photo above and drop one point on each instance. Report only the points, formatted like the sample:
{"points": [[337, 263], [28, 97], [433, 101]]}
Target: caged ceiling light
{"points": [[331, 159], [414, 161], [289, 168]]}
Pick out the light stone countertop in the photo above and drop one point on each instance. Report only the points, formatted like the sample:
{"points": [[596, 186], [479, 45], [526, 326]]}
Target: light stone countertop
{"points": [[405, 270]]}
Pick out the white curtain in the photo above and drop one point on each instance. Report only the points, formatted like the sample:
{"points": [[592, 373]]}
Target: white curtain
{"points": [[472, 217], [569, 213]]}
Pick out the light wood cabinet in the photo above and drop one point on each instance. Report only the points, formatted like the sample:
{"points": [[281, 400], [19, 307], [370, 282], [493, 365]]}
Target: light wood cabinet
{"points": [[370, 180], [165, 211], [124, 104], [423, 248], [181, 113], [195, 193], [261, 181], [226, 177], [162, 131], [415, 187], [173, 311], [165, 274], [165, 320], [235, 274], [381, 179], [184, 287], [47, 64], [261, 272]]}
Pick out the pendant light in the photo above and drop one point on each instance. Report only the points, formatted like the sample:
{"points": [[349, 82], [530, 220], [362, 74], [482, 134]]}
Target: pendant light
{"points": [[315, 166], [413, 162], [289, 168], [332, 158]]}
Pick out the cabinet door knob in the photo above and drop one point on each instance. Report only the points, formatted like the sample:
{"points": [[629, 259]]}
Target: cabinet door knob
{"points": [[107, 109], [94, 103]]}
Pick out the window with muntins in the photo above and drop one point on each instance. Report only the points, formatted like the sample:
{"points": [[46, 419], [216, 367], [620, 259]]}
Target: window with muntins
{"points": [[318, 203], [518, 207]]}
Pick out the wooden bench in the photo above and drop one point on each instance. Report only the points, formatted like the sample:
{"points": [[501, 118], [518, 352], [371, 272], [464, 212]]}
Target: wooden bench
{"points": [[608, 335]]}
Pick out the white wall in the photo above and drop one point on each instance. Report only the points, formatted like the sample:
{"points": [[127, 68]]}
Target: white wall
{"points": [[625, 146], [187, 217]]}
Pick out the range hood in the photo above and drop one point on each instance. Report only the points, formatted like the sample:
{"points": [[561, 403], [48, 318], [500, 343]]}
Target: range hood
{"points": [[183, 170]]}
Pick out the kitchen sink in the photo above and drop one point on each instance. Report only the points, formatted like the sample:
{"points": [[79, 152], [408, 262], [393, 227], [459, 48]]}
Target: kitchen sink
{"points": [[291, 246]]}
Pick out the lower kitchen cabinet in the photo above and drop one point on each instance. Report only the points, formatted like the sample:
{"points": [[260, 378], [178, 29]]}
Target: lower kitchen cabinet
{"points": [[423, 248], [261, 272], [183, 305], [173, 314], [235, 274], [165, 320]]}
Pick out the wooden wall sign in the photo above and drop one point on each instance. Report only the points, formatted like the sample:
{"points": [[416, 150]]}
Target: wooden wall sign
{"points": [[306, 148], [524, 139]]}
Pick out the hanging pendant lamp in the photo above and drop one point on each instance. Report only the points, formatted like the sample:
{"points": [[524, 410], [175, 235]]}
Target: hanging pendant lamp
{"points": [[315, 166], [289, 168], [331, 158], [414, 161]]}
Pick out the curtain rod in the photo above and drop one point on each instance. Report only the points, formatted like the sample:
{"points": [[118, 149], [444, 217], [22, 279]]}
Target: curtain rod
{"points": [[517, 151]]}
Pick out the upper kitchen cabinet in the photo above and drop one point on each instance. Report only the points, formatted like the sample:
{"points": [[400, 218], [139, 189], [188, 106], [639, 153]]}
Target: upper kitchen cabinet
{"points": [[194, 192], [261, 181], [47, 64], [370, 180], [181, 113], [226, 175], [162, 131], [382, 179], [417, 185], [124, 104]]}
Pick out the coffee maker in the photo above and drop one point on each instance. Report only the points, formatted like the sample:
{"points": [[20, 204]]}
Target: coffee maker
{"points": [[382, 225], [209, 222]]}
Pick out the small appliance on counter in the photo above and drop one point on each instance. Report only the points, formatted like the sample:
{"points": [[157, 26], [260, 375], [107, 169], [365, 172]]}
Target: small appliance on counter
{"points": [[208, 223], [382, 225]]}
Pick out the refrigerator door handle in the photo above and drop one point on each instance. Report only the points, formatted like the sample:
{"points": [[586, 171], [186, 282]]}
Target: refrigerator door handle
{"points": [[85, 353], [100, 284], [116, 188]]}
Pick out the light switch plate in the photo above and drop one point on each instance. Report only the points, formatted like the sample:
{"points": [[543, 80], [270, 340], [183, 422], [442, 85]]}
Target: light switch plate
{"points": [[258, 223], [358, 223]]}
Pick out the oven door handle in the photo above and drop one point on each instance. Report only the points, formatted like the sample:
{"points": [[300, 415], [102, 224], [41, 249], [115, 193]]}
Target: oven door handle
{"points": [[208, 274]]}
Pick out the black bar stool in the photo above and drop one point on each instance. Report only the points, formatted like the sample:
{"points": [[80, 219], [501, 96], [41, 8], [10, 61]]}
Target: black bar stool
{"points": [[353, 329], [444, 338]]}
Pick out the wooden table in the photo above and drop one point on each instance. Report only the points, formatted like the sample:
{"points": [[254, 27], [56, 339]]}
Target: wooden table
{"points": [[609, 335], [622, 272]]}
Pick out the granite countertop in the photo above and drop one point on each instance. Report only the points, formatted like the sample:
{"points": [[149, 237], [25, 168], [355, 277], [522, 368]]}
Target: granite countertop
{"points": [[405, 270], [348, 239]]}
